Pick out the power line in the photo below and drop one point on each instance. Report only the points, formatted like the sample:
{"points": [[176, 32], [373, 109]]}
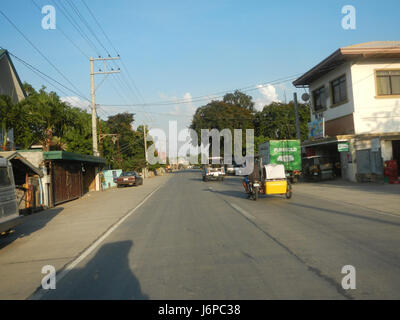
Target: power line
{"points": [[44, 76], [207, 97], [64, 34], [76, 26], [33, 45]]}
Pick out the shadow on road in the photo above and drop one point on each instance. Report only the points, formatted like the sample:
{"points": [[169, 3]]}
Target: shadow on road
{"points": [[30, 224], [348, 214], [107, 276]]}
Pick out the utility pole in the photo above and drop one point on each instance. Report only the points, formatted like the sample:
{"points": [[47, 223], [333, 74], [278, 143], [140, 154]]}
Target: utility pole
{"points": [[145, 147], [94, 115], [92, 94], [296, 114]]}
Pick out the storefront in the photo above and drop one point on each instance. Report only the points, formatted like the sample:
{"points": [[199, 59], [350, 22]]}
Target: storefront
{"points": [[71, 174], [329, 158]]}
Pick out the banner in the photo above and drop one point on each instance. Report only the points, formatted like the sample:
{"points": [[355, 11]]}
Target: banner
{"points": [[316, 129]]}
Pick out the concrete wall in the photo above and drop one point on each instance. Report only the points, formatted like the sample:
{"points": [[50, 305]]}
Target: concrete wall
{"points": [[373, 114], [108, 178]]}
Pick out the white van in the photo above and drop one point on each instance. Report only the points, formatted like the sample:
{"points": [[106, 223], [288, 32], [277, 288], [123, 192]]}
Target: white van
{"points": [[9, 213]]}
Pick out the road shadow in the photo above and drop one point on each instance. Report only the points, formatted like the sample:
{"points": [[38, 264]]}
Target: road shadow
{"points": [[347, 214], [230, 193], [107, 276], [29, 225]]}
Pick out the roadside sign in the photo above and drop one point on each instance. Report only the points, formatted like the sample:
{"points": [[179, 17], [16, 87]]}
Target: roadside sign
{"points": [[343, 147], [316, 129]]}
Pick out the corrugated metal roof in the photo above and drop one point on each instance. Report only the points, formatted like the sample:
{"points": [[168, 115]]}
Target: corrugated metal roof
{"points": [[375, 49], [63, 155], [375, 45]]}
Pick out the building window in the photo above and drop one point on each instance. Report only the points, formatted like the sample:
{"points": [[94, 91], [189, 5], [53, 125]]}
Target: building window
{"points": [[339, 90], [388, 82], [319, 99]]}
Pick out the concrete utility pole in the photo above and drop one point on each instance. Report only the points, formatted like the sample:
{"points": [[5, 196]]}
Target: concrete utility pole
{"points": [[92, 94], [145, 148], [94, 115], [296, 114]]}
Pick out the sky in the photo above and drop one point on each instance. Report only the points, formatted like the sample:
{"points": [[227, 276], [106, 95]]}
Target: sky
{"points": [[184, 49]]}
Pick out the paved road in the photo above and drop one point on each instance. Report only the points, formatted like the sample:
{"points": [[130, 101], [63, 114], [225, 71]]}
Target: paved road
{"points": [[197, 240]]}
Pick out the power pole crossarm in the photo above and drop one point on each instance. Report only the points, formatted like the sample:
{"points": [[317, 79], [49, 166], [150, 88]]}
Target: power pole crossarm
{"points": [[92, 94], [94, 115]]}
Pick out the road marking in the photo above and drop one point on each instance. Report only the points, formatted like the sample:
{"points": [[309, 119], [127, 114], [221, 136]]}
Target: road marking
{"points": [[238, 209], [243, 212], [39, 294]]}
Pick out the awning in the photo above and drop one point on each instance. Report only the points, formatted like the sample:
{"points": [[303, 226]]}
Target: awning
{"points": [[63, 155], [326, 141]]}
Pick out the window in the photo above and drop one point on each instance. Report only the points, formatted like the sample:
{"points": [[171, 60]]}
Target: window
{"points": [[319, 99], [388, 82], [339, 90]]}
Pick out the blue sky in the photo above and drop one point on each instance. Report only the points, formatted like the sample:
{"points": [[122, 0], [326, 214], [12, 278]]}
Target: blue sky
{"points": [[175, 49]]}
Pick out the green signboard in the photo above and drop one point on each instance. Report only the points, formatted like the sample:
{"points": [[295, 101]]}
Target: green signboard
{"points": [[286, 152], [343, 146]]}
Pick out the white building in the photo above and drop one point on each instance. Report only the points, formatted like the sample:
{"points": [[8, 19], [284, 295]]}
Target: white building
{"points": [[355, 92]]}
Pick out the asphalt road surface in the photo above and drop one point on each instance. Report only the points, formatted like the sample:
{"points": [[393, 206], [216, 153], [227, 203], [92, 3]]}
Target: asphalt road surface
{"points": [[206, 240]]}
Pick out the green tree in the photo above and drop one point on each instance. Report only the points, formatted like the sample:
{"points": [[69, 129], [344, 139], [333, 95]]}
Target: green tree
{"points": [[277, 121], [240, 99]]}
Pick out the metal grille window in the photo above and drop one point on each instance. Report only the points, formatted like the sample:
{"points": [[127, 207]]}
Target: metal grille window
{"points": [[388, 82], [319, 99], [339, 90]]}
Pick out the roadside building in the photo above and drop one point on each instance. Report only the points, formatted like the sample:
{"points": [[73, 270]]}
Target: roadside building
{"points": [[108, 176], [355, 109], [10, 85], [27, 182], [66, 175]]}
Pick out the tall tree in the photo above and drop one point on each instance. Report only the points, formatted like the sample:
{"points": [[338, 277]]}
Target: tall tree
{"points": [[240, 99], [277, 121]]}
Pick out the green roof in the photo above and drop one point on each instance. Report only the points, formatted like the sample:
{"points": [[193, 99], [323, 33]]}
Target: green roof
{"points": [[62, 155]]}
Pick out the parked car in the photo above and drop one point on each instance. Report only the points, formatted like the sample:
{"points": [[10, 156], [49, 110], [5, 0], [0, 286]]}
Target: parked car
{"points": [[9, 213], [129, 178]]}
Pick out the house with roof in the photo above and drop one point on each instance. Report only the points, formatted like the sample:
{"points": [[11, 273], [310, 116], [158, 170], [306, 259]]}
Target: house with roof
{"points": [[10, 85], [66, 175], [355, 108]]}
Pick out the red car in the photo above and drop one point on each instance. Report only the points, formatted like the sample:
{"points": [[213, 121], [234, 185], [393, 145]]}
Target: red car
{"points": [[130, 178]]}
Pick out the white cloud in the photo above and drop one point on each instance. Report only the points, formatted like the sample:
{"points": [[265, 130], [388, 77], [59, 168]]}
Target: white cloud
{"points": [[185, 106], [76, 102], [269, 95]]}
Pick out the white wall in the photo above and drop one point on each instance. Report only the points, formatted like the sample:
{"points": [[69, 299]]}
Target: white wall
{"points": [[344, 109], [372, 114]]}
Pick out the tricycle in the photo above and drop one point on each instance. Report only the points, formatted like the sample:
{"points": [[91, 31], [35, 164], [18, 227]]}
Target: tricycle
{"points": [[268, 180]]}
